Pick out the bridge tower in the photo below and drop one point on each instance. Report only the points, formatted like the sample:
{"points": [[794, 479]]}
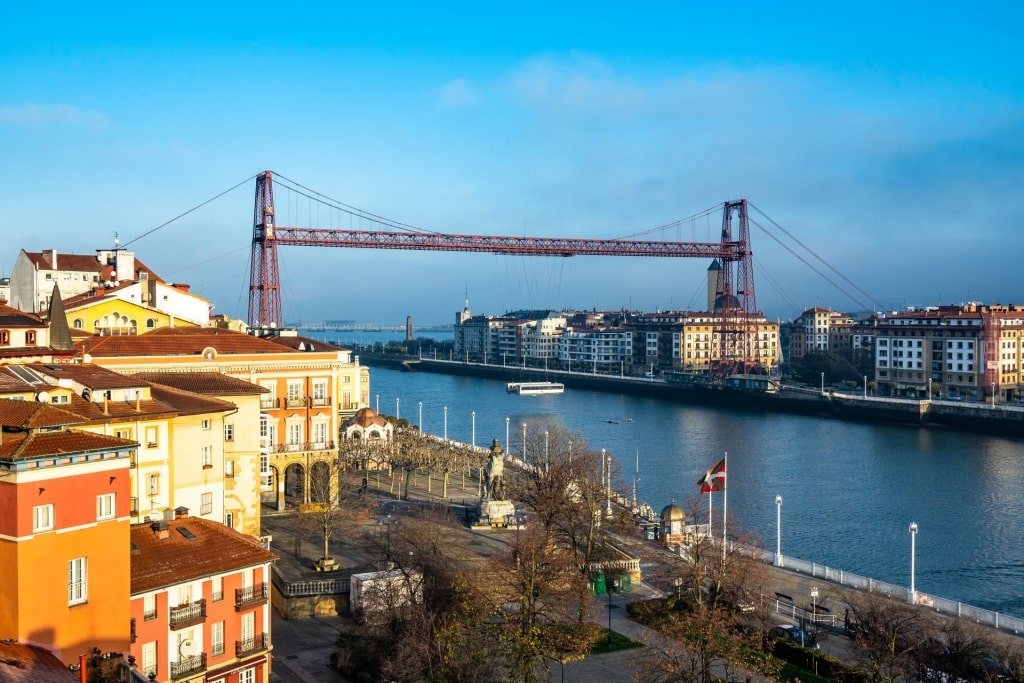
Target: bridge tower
{"points": [[264, 277]]}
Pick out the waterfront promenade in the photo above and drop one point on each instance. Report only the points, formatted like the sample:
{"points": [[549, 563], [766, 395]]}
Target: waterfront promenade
{"points": [[303, 646]]}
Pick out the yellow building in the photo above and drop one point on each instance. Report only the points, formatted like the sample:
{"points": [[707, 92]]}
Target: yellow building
{"points": [[103, 312]]}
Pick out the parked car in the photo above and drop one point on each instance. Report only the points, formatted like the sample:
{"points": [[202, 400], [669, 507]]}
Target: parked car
{"points": [[797, 635]]}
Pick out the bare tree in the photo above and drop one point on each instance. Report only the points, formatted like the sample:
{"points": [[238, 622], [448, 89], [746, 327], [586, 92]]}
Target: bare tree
{"points": [[958, 649], [330, 507], [887, 634]]}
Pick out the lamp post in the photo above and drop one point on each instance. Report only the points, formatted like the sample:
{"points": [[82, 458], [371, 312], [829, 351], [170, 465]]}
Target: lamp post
{"points": [[913, 589], [445, 410], [546, 460], [865, 386], [929, 388], [823, 382], [993, 395], [421, 417], [398, 413], [814, 603], [522, 445], [506, 433], [778, 531], [679, 584], [608, 488], [378, 404], [473, 417]]}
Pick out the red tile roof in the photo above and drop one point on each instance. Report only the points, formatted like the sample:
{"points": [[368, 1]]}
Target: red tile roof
{"points": [[30, 664], [209, 383], [89, 375], [119, 411], [179, 341], [189, 402], [13, 317], [85, 263], [23, 445], [214, 549], [300, 343], [26, 415]]}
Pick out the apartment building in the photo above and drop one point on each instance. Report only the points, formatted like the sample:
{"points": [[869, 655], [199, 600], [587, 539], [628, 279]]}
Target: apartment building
{"points": [[200, 602], [970, 351], [818, 330], [309, 388], [64, 532]]}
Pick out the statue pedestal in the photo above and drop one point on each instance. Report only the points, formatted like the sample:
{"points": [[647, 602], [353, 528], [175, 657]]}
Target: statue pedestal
{"points": [[495, 513]]}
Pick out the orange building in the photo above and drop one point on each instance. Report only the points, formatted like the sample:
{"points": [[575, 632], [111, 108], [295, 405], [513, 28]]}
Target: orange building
{"points": [[64, 524], [200, 602]]}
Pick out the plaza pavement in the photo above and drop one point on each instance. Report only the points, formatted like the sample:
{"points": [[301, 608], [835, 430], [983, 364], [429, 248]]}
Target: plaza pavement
{"points": [[302, 647]]}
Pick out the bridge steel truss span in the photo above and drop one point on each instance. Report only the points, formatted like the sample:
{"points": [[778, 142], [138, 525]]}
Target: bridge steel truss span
{"points": [[265, 286]]}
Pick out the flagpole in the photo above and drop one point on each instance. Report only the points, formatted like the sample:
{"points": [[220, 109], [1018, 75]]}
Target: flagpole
{"points": [[725, 501], [711, 494]]}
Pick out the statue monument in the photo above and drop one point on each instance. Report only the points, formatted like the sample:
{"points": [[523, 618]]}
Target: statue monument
{"points": [[495, 509]]}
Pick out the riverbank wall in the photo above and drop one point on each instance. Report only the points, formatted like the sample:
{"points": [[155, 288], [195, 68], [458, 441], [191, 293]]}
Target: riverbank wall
{"points": [[971, 416]]}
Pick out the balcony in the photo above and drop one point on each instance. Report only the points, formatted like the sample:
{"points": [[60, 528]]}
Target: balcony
{"points": [[268, 403], [251, 595], [295, 402], [188, 615], [306, 446], [244, 648], [186, 667], [321, 401]]}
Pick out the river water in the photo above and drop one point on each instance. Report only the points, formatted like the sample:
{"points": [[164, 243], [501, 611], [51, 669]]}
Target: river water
{"points": [[850, 490]]}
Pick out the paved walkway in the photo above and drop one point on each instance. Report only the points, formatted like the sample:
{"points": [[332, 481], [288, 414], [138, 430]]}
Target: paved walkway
{"points": [[302, 647]]}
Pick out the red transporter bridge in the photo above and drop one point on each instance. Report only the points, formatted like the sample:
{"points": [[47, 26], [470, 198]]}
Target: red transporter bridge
{"points": [[735, 302]]}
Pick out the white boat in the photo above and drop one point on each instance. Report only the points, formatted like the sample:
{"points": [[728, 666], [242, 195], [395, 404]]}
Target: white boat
{"points": [[534, 388]]}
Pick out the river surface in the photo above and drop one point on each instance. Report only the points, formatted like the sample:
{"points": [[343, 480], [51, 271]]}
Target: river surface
{"points": [[850, 490]]}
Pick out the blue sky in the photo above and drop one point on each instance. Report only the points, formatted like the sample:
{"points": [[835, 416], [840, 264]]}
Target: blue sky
{"points": [[887, 137]]}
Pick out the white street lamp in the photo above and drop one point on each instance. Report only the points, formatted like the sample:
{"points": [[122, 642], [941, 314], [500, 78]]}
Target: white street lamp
{"points": [[778, 531], [522, 444], [546, 460], [473, 416], [378, 404], [398, 412], [913, 589], [865, 386], [814, 603], [445, 410], [506, 433], [608, 488], [823, 382], [421, 417]]}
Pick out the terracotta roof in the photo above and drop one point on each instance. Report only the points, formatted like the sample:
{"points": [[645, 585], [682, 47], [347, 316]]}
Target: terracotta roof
{"points": [[30, 664], [366, 417], [209, 383], [188, 402], [10, 382], [213, 549], [119, 411], [87, 374], [13, 317], [180, 341], [34, 415], [42, 444]]}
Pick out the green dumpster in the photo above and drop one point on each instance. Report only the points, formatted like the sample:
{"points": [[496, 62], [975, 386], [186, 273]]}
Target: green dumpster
{"points": [[597, 581], [624, 584]]}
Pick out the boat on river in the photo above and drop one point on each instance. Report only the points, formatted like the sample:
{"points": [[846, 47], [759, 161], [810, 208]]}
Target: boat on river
{"points": [[534, 388]]}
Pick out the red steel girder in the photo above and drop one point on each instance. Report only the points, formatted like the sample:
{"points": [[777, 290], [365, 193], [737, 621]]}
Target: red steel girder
{"points": [[534, 246]]}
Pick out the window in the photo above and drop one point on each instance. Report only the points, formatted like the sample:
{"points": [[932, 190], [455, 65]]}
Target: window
{"points": [[294, 390], [78, 587], [229, 468], [30, 338], [207, 458], [229, 432], [149, 658], [229, 520], [294, 434], [153, 484], [42, 518], [247, 675], [206, 424], [148, 607], [217, 586], [320, 433], [151, 440], [217, 638], [105, 506], [206, 505], [319, 392]]}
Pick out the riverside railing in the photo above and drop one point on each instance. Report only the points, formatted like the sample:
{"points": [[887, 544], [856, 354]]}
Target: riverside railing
{"points": [[941, 605]]}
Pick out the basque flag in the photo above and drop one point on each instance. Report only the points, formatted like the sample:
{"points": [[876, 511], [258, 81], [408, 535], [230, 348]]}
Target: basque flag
{"points": [[713, 479]]}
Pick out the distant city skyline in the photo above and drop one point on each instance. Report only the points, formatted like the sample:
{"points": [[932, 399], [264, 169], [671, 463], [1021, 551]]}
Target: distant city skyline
{"points": [[887, 138]]}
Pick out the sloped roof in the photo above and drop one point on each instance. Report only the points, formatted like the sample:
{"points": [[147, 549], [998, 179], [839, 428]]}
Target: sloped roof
{"points": [[300, 343], [13, 317], [365, 417], [92, 376], [20, 663], [85, 263], [208, 383], [188, 402], [42, 444], [9, 382], [213, 549], [180, 341], [33, 415], [119, 411]]}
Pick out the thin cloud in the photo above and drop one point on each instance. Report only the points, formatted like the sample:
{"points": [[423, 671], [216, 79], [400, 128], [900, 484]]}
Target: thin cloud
{"points": [[458, 94], [33, 115]]}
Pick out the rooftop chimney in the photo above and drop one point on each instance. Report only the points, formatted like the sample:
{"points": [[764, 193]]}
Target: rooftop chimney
{"points": [[160, 529], [181, 512]]}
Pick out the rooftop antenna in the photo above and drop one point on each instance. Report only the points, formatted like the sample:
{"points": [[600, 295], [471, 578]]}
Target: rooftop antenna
{"points": [[117, 242]]}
